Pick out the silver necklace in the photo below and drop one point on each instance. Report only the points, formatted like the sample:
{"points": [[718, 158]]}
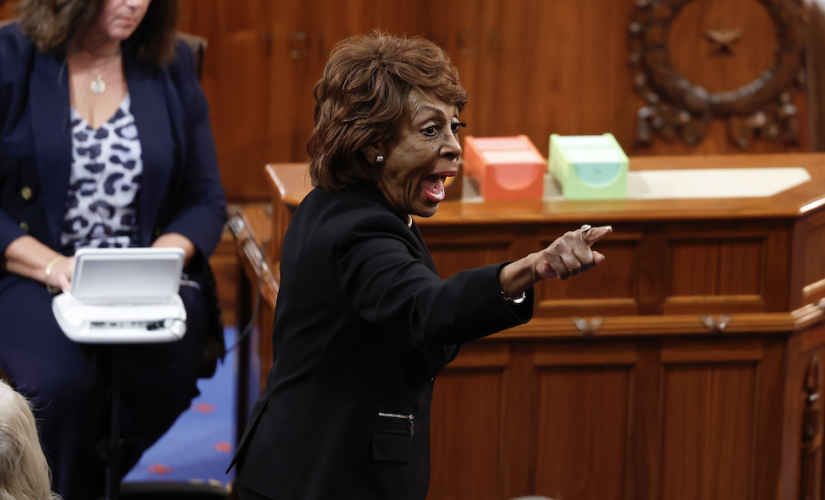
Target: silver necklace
{"points": [[98, 86]]}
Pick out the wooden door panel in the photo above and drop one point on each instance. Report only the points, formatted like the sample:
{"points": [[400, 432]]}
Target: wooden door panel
{"points": [[708, 431], [814, 243], [725, 275], [466, 433], [716, 267], [582, 432]]}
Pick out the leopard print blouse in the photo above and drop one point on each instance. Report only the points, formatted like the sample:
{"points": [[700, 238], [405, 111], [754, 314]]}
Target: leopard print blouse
{"points": [[104, 184]]}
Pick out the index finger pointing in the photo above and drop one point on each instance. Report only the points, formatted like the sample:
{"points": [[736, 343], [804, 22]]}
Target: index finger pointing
{"points": [[595, 234]]}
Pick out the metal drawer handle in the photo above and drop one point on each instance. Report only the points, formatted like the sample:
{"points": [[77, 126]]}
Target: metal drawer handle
{"points": [[713, 325], [588, 328]]}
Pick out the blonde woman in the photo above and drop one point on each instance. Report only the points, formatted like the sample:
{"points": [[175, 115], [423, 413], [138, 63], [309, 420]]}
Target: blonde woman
{"points": [[24, 473]]}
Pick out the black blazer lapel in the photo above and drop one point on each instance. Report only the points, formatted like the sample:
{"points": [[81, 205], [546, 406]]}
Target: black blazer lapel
{"points": [[150, 109], [372, 192], [50, 114]]}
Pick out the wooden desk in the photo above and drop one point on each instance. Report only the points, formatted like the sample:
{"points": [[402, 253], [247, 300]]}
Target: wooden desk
{"points": [[681, 368]]}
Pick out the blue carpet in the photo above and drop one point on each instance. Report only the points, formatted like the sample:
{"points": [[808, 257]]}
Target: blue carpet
{"points": [[200, 445]]}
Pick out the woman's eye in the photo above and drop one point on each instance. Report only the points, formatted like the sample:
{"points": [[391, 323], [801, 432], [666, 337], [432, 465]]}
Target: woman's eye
{"points": [[455, 126], [431, 131]]}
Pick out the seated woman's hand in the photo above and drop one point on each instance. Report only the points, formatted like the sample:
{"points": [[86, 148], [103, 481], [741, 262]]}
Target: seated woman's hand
{"points": [[61, 272], [570, 254]]}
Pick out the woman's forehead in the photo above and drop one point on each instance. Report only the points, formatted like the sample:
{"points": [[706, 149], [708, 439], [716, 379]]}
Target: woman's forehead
{"points": [[421, 104]]}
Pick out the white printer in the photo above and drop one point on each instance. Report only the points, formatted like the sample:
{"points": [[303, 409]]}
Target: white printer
{"points": [[123, 295]]}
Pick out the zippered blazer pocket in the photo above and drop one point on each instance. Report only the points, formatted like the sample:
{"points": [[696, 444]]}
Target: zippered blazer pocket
{"points": [[392, 437]]}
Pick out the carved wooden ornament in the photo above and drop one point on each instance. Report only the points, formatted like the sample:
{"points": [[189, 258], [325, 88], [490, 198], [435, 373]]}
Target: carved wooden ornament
{"points": [[809, 480], [677, 107]]}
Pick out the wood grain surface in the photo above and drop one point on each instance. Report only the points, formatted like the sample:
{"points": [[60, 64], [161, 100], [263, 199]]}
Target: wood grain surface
{"points": [[530, 67]]}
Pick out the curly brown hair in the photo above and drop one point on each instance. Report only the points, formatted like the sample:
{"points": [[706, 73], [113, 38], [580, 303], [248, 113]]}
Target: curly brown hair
{"points": [[61, 25], [369, 87]]}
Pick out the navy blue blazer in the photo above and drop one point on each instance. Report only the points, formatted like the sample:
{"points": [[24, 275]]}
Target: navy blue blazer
{"points": [[181, 190]]}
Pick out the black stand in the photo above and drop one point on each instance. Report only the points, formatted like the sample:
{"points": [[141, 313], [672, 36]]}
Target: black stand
{"points": [[112, 451], [114, 444]]}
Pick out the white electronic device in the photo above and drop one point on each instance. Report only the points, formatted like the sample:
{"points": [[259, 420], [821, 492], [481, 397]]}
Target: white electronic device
{"points": [[123, 295]]}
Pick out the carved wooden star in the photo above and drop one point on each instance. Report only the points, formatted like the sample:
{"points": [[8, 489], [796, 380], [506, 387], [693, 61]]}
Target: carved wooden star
{"points": [[723, 39]]}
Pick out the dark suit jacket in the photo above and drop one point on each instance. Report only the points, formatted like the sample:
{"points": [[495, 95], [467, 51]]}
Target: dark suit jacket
{"points": [[362, 326], [181, 190]]}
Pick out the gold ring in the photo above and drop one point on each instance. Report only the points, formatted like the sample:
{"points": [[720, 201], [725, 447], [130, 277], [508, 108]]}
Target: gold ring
{"points": [[585, 228]]}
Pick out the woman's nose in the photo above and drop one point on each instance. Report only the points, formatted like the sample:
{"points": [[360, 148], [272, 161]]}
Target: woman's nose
{"points": [[453, 148]]}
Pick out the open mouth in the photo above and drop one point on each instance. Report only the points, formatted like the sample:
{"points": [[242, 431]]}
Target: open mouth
{"points": [[434, 185]]}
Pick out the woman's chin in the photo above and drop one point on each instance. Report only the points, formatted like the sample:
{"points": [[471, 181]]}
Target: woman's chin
{"points": [[427, 209]]}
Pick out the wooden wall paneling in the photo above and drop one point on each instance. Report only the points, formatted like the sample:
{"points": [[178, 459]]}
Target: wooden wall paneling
{"points": [[303, 34], [652, 263], [583, 408], [538, 69], [263, 60], [520, 423], [770, 387], [530, 67], [779, 248], [644, 448], [814, 281], [816, 73], [466, 425], [298, 58], [237, 85], [7, 10], [709, 420], [735, 264]]}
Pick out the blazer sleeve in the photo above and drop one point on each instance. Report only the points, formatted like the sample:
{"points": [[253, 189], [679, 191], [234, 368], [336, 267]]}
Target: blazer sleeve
{"points": [[11, 55], [200, 203], [389, 287]]}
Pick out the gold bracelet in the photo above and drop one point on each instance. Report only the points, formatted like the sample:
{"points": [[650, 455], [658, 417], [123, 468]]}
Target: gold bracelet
{"points": [[52, 289]]}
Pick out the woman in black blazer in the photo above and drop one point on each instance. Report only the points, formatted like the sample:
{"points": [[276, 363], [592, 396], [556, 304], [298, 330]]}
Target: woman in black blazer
{"points": [[104, 141], [363, 323]]}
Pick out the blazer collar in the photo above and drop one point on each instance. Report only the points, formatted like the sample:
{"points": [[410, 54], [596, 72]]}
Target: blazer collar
{"points": [[49, 104], [374, 194]]}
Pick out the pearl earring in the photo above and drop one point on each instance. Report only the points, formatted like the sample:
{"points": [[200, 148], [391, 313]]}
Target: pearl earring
{"points": [[379, 159]]}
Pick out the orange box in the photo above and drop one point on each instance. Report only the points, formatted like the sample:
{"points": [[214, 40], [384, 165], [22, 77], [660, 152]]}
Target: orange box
{"points": [[505, 168]]}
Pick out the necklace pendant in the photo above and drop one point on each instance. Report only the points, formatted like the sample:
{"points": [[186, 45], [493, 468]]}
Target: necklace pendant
{"points": [[98, 86]]}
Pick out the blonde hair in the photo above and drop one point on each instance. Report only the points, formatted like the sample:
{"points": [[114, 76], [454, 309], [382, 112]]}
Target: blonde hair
{"points": [[24, 472]]}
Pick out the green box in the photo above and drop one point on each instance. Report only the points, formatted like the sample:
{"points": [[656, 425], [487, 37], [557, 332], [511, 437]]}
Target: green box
{"points": [[589, 167]]}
